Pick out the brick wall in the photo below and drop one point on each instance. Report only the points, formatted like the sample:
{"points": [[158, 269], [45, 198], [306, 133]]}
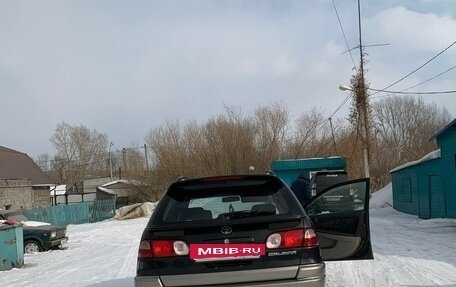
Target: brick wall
{"points": [[41, 197], [19, 193]]}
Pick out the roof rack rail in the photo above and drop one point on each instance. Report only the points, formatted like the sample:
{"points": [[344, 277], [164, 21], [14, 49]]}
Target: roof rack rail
{"points": [[182, 178]]}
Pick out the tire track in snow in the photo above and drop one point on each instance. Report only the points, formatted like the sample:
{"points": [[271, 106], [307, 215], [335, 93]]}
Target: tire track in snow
{"points": [[129, 262], [406, 254], [428, 272], [412, 255]]}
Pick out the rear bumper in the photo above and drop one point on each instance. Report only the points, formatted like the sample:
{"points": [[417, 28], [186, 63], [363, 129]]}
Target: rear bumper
{"points": [[312, 275]]}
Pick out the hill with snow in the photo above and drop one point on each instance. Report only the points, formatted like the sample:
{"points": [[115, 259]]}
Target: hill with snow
{"points": [[382, 198]]}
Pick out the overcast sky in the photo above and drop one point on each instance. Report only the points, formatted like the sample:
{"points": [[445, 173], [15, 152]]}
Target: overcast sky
{"points": [[124, 67]]}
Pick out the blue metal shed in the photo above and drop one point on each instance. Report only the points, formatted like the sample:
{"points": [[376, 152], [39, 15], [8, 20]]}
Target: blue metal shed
{"points": [[289, 170], [11, 247], [427, 187]]}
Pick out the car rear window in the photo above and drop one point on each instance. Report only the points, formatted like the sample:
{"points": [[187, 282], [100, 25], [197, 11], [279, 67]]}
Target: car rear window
{"points": [[219, 200], [324, 180]]}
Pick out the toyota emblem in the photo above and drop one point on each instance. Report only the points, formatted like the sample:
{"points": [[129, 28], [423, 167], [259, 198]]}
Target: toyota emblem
{"points": [[226, 229]]}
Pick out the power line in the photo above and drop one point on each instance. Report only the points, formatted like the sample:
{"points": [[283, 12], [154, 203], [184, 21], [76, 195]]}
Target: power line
{"points": [[414, 71], [343, 33], [430, 79], [353, 61], [414, 93], [322, 124], [341, 105]]}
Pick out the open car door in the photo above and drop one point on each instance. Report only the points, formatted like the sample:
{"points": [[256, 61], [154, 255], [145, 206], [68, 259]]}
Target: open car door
{"points": [[340, 215]]}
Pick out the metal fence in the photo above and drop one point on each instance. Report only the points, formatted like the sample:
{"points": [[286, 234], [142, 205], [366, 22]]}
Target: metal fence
{"points": [[72, 198], [76, 213]]}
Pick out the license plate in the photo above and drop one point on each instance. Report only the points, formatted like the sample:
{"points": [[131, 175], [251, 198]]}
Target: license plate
{"points": [[219, 252], [63, 241]]}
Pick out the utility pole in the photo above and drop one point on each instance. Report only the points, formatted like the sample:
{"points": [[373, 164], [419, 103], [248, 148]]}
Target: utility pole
{"points": [[110, 161], [146, 157], [361, 101], [333, 137], [124, 159]]}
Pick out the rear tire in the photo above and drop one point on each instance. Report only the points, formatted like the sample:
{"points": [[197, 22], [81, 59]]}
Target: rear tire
{"points": [[32, 246]]}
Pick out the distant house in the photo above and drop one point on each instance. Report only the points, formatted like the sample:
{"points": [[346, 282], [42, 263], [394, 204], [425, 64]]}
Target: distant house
{"points": [[22, 183], [61, 195], [90, 185], [427, 187], [120, 190]]}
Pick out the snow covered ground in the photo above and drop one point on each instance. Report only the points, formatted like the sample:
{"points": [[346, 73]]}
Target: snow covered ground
{"points": [[408, 252], [99, 254]]}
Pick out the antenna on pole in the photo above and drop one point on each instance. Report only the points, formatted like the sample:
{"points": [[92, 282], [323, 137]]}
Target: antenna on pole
{"points": [[366, 46]]}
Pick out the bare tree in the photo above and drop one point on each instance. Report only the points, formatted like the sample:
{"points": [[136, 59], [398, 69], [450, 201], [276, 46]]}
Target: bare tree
{"points": [[80, 151], [222, 145], [135, 162], [402, 129], [169, 150], [44, 162], [311, 136], [230, 140], [272, 125], [348, 146]]}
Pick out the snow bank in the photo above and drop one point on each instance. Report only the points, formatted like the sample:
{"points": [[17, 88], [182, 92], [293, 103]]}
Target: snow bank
{"points": [[34, 223], [430, 156], [382, 198], [437, 222], [135, 210]]}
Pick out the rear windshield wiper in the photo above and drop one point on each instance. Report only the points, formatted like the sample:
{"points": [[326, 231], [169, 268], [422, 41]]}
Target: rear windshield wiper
{"points": [[245, 213]]}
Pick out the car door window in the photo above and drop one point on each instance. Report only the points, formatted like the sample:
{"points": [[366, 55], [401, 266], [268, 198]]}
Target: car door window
{"points": [[344, 198], [340, 216]]}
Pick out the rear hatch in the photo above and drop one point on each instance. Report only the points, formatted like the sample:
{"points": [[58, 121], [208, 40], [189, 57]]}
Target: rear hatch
{"points": [[226, 212]]}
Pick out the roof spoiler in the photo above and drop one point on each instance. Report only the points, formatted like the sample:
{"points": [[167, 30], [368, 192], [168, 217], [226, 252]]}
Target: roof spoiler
{"points": [[182, 178], [270, 172]]}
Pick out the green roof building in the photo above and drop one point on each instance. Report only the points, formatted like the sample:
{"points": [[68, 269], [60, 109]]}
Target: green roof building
{"points": [[427, 187]]}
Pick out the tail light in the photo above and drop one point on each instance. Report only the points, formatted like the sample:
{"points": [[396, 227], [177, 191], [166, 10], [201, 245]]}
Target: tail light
{"points": [[144, 250], [162, 248], [305, 237]]}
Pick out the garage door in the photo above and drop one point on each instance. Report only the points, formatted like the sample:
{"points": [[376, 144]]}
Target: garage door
{"points": [[437, 197]]}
